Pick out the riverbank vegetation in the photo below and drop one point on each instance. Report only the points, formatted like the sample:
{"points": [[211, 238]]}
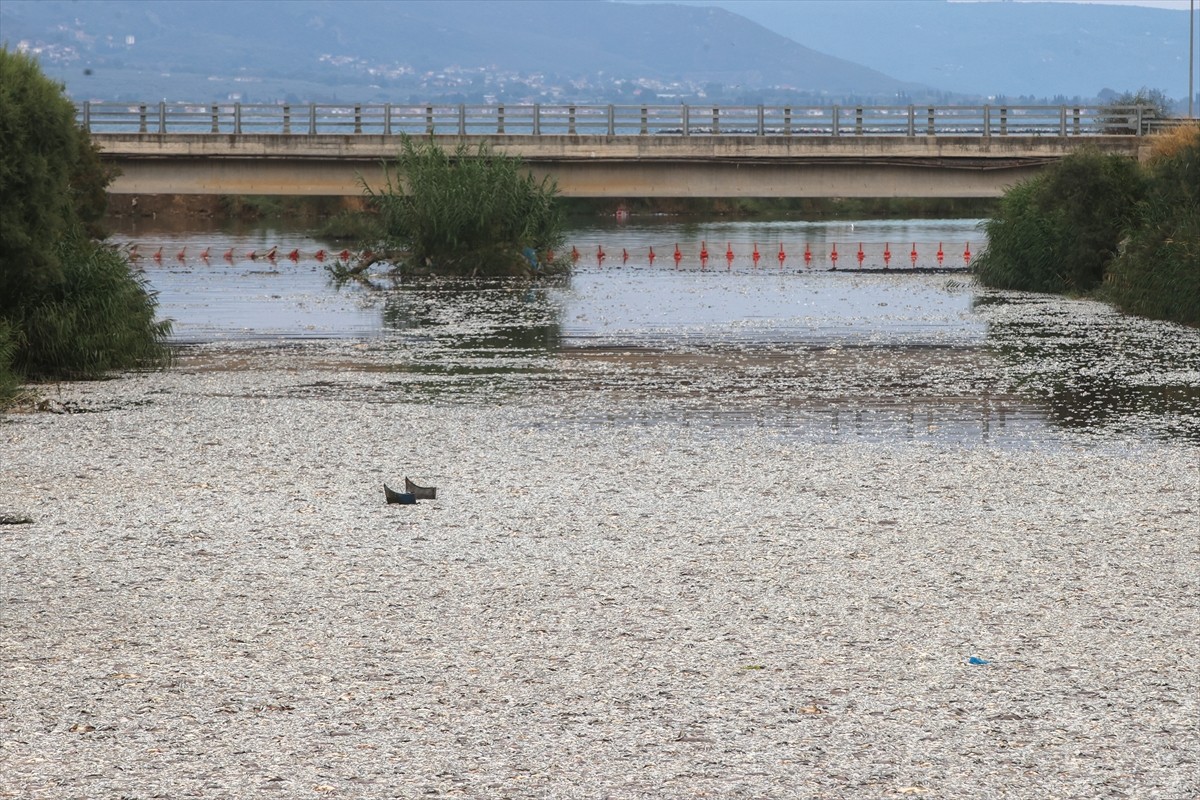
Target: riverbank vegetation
{"points": [[70, 306], [470, 212], [1107, 227]]}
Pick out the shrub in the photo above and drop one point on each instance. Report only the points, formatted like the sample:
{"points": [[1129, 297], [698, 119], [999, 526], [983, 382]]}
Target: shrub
{"points": [[99, 318], [1058, 231], [467, 212], [1157, 273]]}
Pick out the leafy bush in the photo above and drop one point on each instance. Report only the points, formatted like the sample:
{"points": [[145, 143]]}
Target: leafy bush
{"points": [[69, 307], [1157, 274], [1058, 231], [99, 318], [476, 212]]}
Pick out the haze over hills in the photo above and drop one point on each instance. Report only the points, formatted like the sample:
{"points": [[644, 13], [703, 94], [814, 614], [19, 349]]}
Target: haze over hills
{"points": [[591, 50], [1040, 49]]}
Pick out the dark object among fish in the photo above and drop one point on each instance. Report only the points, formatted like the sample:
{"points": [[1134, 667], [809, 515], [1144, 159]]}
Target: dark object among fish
{"points": [[421, 492], [403, 498]]}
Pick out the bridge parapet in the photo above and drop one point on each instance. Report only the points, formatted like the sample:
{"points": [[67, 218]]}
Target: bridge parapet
{"points": [[614, 120]]}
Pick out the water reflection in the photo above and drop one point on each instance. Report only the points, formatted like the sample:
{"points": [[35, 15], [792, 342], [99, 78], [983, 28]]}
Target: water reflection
{"points": [[1092, 368], [809, 353], [475, 315]]}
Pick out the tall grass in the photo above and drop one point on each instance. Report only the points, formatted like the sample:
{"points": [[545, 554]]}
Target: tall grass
{"points": [[1157, 273], [9, 380], [99, 318], [470, 211]]}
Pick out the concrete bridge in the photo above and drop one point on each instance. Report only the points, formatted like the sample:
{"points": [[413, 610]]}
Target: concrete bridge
{"points": [[610, 151]]}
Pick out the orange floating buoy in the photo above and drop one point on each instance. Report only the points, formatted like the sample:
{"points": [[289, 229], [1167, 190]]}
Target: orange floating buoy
{"points": [[729, 254], [967, 254], [294, 255], [228, 254], [271, 254], [755, 256], [782, 255], [807, 255], [624, 256], [204, 254], [833, 255], [940, 255], [678, 255], [344, 255], [652, 256], [600, 254], [182, 254], [913, 254], [703, 252], [887, 256], [861, 255], [319, 255], [158, 254]]}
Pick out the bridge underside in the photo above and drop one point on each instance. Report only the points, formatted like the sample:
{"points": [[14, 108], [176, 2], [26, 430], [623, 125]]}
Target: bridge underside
{"points": [[591, 166], [576, 179]]}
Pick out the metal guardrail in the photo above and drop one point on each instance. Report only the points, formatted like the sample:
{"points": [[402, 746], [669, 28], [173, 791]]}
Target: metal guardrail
{"points": [[613, 120]]}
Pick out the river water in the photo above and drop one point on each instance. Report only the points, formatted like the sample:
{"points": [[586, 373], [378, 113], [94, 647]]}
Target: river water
{"points": [[814, 347]]}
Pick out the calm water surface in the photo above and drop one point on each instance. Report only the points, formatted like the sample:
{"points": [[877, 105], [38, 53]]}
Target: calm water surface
{"points": [[727, 341]]}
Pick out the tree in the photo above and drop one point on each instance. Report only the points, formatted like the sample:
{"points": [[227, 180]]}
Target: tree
{"points": [[70, 306]]}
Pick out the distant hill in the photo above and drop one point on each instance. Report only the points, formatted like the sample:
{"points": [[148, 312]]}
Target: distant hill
{"points": [[469, 50], [992, 48]]}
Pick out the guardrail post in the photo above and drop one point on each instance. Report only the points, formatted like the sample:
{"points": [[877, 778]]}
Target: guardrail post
{"points": [[162, 116], [611, 120], [462, 119], [931, 122], [237, 118], [987, 122], [686, 121], [787, 120], [87, 115], [837, 119], [312, 119], [716, 126], [571, 120], [912, 120], [142, 118], [1003, 121], [429, 120], [1075, 120], [1062, 120], [537, 119], [762, 127], [858, 121], [287, 119], [645, 126], [1139, 120], [499, 119], [216, 118], [387, 119], [357, 118]]}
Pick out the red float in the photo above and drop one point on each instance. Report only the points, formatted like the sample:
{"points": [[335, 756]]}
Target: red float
{"points": [[913, 254], [940, 255], [756, 256], [861, 255], [807, 255], [967, 254], [887, 256], [833, 255]]}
